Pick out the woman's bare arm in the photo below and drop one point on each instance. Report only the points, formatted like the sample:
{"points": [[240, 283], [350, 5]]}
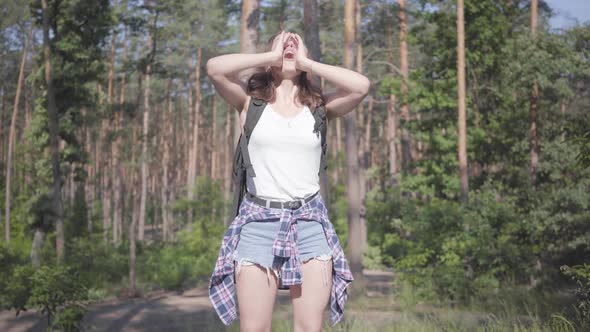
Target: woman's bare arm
{"points": [[352, 86], [223, 71]]}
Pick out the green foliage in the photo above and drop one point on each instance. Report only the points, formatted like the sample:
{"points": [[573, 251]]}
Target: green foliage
{"points": [[69, 319], [581, 275], [192, 256], [14, 287], [99, 265], [54, 287], [180, 264]]}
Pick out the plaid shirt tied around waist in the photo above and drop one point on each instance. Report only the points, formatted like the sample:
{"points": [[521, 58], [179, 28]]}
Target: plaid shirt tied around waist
{"points": [[222, 284]]}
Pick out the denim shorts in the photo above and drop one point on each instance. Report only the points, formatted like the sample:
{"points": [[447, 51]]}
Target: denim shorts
{"points": [[256, 240]]}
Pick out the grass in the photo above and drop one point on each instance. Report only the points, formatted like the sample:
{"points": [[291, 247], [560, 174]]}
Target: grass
{"points": [[514, 309]]}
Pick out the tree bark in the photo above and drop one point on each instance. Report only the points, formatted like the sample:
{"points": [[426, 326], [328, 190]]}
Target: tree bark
{"points": [[533, 135], [36, 247], [391, 139], [462, 123], [248, 41], [89, 183], [117, 165], [144, 150], [53, 121], [311, 28], [227, 162], [404, 107], [131, 289], [12, 136], [107, 167], [392, 121], [361, 145], [367, 140], [197, 114], [144, 139], [353, 176], [214, 142], [533, 113], [165, 190], [312, 41], [190, 169]]}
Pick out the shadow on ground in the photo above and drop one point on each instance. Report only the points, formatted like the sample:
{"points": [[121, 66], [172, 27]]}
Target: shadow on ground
{"points": [[167, 311]]}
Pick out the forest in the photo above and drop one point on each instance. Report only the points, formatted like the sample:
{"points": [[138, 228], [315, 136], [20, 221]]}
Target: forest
{"points": [[463, 177]]}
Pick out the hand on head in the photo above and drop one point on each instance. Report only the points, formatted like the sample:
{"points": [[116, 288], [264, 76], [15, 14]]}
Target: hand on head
{"points": [[301, 55], [278, 47], [289, 45]]}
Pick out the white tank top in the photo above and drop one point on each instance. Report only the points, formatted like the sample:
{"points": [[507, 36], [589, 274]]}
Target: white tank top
{"points": [[285, 154]]}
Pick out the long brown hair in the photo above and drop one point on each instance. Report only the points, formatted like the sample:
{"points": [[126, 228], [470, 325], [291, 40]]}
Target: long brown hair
{"points": [[261, 85]]}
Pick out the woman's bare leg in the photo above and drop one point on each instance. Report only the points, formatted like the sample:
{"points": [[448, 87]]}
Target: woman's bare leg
{"points": [[256, 289], [310, 298]]}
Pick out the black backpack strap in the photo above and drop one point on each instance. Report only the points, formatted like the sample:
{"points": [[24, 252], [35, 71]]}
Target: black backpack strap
{"points": [[320, 128], [241, 163], [252, 116]]}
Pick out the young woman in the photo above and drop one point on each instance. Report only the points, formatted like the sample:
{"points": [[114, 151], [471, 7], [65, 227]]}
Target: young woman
{"points": [[291, 234]]}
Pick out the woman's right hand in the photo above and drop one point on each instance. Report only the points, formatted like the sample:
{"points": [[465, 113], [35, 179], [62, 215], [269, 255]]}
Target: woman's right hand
{"points": [[278, 48]]}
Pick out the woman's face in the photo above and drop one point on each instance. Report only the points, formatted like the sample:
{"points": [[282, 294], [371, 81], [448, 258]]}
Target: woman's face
{"points": [[290, 47]]}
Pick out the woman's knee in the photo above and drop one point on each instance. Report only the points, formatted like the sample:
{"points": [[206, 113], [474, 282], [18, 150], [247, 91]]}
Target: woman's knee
{"points": [[307, 325], [253, 325]]}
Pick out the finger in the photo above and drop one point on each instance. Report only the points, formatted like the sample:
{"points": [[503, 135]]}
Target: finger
{"points": [[300, 43]]}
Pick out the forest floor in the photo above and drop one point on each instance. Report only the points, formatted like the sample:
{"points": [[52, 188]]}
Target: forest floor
{"points": [[190, 310]]}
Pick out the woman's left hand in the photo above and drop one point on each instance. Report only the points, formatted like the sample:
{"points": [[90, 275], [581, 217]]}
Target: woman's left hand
{"points": [[302, 62]]}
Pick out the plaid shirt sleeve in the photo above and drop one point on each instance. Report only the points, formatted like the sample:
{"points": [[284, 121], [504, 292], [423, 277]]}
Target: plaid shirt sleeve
{"points": [[222, 284]]}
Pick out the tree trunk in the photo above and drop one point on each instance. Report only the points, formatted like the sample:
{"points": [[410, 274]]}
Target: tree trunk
{"points": [[191, 170], [462, 123], [53, 122], [197, 115], [534, 139], [227, 162], [361, 145], [391, 139], [167, 135], [89, 183], [248, 41], [12, 136], [36, 248], [144, 141], [2, 107], [404, 107], [214, 142], [117, 166], [131, 289], [353, 176], [312, 29], [367, 140], [107, 169], [312, 41], [533, 114]]}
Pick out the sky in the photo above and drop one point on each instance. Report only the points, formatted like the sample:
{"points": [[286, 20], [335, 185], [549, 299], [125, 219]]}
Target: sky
{"points": [[568, 11]]}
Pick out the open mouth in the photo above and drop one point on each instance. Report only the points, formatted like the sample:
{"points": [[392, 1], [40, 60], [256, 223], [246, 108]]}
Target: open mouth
{"points": [[290, 49], [289, 53]]}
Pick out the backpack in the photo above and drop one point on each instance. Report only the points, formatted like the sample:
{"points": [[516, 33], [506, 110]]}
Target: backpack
{"points": [[241, 162]]}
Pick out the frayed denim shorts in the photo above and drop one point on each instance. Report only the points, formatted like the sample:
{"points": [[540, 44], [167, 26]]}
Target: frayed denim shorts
{"points": [[256, 241]]}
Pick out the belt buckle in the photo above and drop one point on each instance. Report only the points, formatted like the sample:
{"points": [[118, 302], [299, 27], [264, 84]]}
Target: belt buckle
{"points": [[293, 204]]}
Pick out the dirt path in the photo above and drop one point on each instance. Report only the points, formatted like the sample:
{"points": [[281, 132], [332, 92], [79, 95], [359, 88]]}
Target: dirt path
{"points": [[164, 311]]}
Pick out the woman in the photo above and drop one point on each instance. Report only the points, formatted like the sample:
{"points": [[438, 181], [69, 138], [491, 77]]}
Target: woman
{"points": [[292, 235]]}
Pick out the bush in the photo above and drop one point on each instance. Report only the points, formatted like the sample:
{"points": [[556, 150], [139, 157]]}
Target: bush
{"points": [[581, 275], [14, 288], [54, 287]]}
